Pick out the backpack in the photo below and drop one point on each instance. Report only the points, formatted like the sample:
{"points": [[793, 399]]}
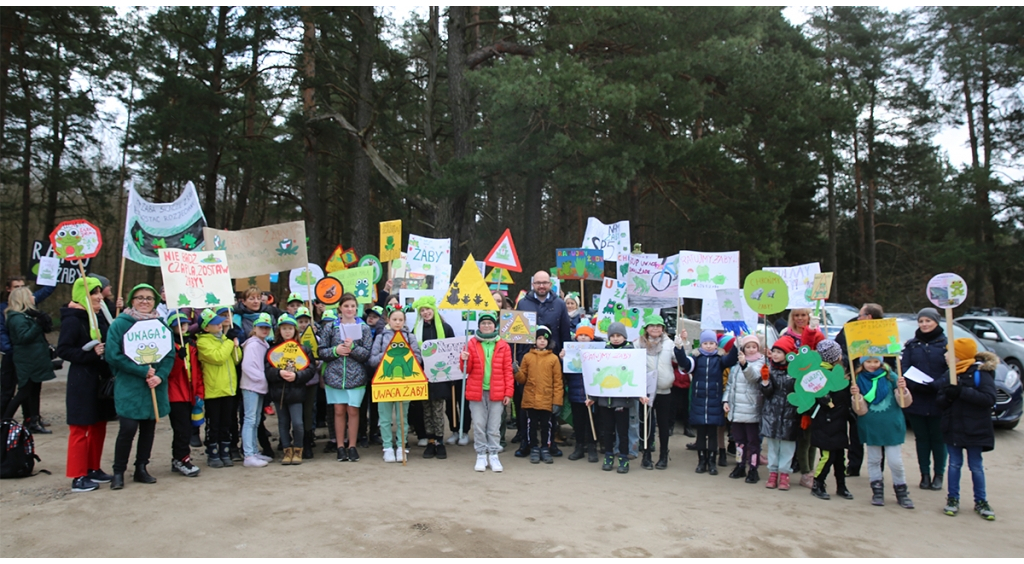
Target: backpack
{"points": [[17, 454]]}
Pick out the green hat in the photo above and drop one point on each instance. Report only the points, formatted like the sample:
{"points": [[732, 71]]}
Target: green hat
{"points": [[264, 320], [330, 314], [210, 316], [487, 315], [378, 310], [177, 318], [654, 319], [286, 319], [156, 295], [294, 297], [79, 293], [303, 311]]}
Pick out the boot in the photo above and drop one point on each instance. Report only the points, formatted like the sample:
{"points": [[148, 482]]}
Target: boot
{"points": [[844, 493], [662, 460], [308, 444], [688, 432], [578, 452], [878, 492], [646, 463], [36, 428], [142, 476], [773, 480], [592, 453], [213, 457], [235, 453], [545, 456], [297, 455], [740, 471], [723, 458], [623, 465], [609, 462], [818, 490], [926, 481], [330, 447], [691, 446], [118, 481], [937, 482], [287, 458], [702, 462], [783, 482], [535, 455], [903, 496], [712, 463], [225, 455], [752, 477]]}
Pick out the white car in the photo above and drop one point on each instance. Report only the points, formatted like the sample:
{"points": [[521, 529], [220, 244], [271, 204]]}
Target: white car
{"points": [[1004, 335]]}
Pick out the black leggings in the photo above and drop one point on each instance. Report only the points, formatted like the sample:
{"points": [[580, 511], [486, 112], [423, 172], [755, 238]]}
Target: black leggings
{"points": [[125, 438], [218, 420], [664, 411], [707, 438], [614, 421], [181, 426], [581, 424], [538, 428], [27, 399]]}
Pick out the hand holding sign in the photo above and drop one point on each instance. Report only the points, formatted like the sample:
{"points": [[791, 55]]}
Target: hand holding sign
{"points": [[947, 291]]}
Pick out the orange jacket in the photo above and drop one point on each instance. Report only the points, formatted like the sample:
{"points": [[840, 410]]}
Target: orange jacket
{"points": [[541, 376]]}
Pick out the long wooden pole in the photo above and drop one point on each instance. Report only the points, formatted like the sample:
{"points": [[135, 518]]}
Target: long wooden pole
{"points": [[951, 359], [853, 378], [590, 414], [401, 429], [899, 393]]}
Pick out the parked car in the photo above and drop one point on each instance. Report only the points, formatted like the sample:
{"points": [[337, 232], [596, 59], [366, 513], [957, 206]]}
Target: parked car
{"points": [[836, 315], [1006, 413], [1004, 335], [987, 311]]}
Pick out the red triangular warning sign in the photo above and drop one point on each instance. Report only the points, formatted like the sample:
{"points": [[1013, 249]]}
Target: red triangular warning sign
{"points": [[504, 255]]}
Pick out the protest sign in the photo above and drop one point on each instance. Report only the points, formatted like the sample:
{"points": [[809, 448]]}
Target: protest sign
{"points": [[579, 264], [702, 274], [799, 280], [947, 290], [821, 286], [301, 281], [48, 271], [765, 292], [147, 342], [357, 281], [614, 307], [876, 337], [612, 240], [150, 226], [426, 255], [261, 250], [651, 281], [504, 255], [262, 282], [468, 290], [390, 240], [441, 358], [517, 327], [399, 376], [288, 356], [572, 363], [614, 372], [196, 279], [76, 240], [67, 271]]}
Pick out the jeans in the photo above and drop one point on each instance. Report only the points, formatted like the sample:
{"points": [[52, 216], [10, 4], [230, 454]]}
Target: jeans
{"points": [[126, 436], [386, 415], [487, 416], [893, 457], [929, 443], [253, 404], [780, 455], [974, 462], [289, 415]]}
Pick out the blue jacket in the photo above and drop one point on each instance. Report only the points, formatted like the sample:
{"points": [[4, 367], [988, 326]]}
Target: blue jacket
{"points": [[552, 314], [5, 339], [928, 357], [706, 384]]}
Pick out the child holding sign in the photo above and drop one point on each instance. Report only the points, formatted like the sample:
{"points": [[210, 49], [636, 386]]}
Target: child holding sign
{"points": [[613, 412], [707, 411], [388, 411], [487, 362], [344, 349], [881, 425], [287, 389], [541, 376], [779, 419]]}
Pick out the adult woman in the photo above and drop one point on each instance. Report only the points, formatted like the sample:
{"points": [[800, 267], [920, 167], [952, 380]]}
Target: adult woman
{"points": [[27, 328], [87, 413], [926, 352], [572, 305], [132, 395], [802, 330], [345, 373], [660, 351]]}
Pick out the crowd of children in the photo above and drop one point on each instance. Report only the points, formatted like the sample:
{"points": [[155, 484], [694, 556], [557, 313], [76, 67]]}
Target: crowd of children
{"points": [[222, 379]]}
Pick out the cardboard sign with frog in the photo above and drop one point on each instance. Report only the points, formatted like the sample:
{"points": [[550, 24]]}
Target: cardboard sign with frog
{"points": [[813, 380], [399, 376]]}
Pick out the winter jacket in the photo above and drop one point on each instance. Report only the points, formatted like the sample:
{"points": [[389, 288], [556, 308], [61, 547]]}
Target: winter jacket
{"points": [[288, 393], [85, 370], [928, 356], [552, 314], [243, 317], [380, 345], [502, 383], [5, 337], [662, 364], [574, 320], [218, 357], [829, 424], [541, 376], [743, 393], [254, 358], [340, 372], [609, 401], [967, 418], [809, 337], [880, 423], [132, 397], [185, 386], [779, 419], [31, 351], [706, 384]]}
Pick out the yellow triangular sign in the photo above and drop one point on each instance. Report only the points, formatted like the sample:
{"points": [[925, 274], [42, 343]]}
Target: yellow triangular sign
{"points": [[399, 376], [335, 262], [498, 276], [468, 290], [309, 339], [518, 327]]}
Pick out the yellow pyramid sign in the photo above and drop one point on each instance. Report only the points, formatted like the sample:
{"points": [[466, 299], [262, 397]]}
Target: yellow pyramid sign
{"points": [[499, 276], [399, 376], [468, 290], [309, 339], [335, 262], [518, 327]]}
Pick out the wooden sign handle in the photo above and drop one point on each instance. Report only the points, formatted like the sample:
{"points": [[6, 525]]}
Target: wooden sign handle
{"points": [[156, 410], [899, 393], [949, 346]]}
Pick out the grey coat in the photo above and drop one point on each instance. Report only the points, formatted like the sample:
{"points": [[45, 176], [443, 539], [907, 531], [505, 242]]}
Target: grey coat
{"points": [[743, 393], [344, 372]]}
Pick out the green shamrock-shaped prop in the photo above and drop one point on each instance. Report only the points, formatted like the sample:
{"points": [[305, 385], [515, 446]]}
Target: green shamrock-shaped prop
{"points": [[812, 379]]}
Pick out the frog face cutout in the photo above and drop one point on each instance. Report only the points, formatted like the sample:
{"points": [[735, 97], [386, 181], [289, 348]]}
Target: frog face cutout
{"points": [[812, 379]]}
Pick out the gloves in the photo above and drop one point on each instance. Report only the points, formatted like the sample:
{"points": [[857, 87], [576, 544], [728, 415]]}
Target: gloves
{"points": [[765, 372], [555, 409], [952, 392], [182, 351], [679, 342]]}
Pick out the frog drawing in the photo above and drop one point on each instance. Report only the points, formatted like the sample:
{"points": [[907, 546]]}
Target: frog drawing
{"points": [[813, 380], [147, 353]]}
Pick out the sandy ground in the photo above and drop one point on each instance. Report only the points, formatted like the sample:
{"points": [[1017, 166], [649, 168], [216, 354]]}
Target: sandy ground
{"points": [[433, 508]]}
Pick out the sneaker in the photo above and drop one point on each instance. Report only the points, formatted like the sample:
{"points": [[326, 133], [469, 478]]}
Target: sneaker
{"points": [[985, 510], [264, 457], [522, 451], [623, 465], [430, 451], [609, 461], [807, 480], [353, 454], [99, 476], [186, 468], [440, 451], [253, 462], [952, 506], [422, 442], [464, 440], [389, 454], [342, 454], [783, 482], [554, 450], [83, 484], [399, 455], [451, 439], [494, 463], [481, 463]]}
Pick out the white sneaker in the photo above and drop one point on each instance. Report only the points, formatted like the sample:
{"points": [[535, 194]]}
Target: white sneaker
{"points": [[254, 462], [464, 440], [389, 455], [264, 457], [398, 454], [451, 439], [481, 463], [422, 443], [495, 463]]}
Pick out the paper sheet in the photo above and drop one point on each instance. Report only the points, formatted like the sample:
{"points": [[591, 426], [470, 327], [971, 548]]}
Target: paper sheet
{"points": [[916, 375]]}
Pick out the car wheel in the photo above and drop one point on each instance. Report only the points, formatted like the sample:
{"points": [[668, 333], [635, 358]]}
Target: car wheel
{"points": [[1016, 364]]}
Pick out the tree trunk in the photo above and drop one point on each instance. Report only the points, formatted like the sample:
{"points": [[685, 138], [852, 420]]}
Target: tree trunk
{"points": [[451, 210], [858, 182], [981, 182], [358, 216], [213, 149], [58, 131], [428, 111], [242, 203], [533, 234], [872, 189], [26, 173], [311, 200], [11, 21]]}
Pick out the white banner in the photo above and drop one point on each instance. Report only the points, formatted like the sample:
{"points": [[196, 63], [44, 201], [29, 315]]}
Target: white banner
{"points": [[620, 373], [427, 256], [800, 280], [150, 227], [441, 358], [613, 239], [196, 279], [701, 274], [652, 281], [572, 363], [302, 281]]}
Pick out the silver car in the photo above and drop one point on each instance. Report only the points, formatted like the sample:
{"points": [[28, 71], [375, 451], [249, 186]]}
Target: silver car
{"points": [[1004, 335]]}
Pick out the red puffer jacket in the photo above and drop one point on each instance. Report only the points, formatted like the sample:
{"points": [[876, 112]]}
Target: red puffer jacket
{"points": [[502, 383], [178, 384]]}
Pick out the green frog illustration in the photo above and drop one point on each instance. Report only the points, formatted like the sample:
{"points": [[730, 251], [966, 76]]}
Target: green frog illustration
{"points": [[398, 362], [641, 285], [441, 371], [147, 353], [613, 378], [362, 288], [813, 380], [69, 243], [287, 247]]}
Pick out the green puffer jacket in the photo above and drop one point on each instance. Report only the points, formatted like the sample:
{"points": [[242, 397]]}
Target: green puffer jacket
{"points": [[31, 353], [132, 398]]}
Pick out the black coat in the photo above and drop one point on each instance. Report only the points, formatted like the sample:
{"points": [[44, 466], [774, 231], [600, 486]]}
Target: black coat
{"points": [[85, 370], [828, 426], [779, 419], [928, 357], [294, 391], [437, 390], [967, 418]]}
